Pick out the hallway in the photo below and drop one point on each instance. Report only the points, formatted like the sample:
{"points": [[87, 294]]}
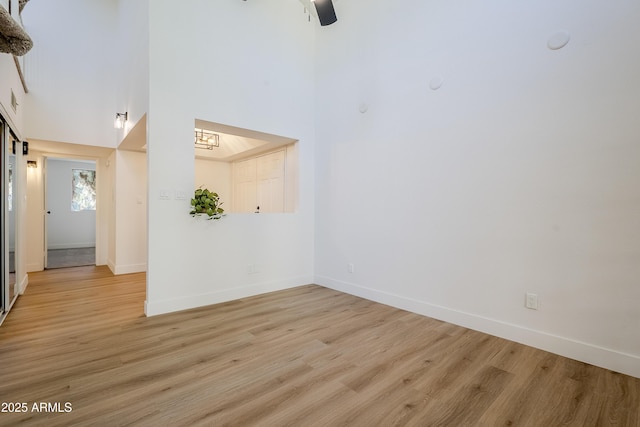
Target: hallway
{"points": [[73, 257]]}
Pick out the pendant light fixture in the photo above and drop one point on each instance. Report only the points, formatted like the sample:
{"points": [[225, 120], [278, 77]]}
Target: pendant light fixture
{"points": [[206, 140]]}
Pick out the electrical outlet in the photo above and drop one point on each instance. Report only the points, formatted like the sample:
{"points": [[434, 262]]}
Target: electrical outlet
{"points": [[350, 267], [252, 269], [531, 301]]}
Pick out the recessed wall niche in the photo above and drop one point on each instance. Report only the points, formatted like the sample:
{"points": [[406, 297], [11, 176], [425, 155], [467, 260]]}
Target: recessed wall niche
{"points": [[253, 172]]}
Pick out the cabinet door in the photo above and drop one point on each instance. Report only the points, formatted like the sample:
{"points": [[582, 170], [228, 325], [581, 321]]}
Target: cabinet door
{"points": [[270, 182], [244, 186]]}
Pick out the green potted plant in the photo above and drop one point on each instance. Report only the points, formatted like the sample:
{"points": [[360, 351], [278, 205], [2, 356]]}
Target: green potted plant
{"points": [[205, 202]]}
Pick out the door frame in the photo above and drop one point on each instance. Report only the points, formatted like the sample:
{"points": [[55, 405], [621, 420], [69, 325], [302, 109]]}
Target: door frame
{"points": [[7, 299], [46, 212]]}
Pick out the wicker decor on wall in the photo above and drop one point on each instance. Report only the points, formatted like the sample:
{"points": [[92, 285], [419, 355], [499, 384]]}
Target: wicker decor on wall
{"points": [[13, 38]]}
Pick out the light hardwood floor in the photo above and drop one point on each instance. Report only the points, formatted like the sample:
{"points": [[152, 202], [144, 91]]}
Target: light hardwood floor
{"points": [[308, 356]]}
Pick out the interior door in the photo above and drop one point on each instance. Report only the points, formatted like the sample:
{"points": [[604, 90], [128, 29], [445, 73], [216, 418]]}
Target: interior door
{"points": [[244, 194], [270, 181], [259, 184]]}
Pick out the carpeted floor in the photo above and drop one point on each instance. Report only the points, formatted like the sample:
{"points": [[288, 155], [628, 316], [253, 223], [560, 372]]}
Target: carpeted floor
{"points": [[75, 257]]}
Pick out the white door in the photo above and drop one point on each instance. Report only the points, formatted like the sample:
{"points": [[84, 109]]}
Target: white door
{"points": [[244, 186], [259, 184], [270, 178]]}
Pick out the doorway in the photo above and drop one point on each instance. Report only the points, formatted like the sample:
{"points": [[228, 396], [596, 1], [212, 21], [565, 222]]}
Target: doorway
{"points": [[70, 220]]}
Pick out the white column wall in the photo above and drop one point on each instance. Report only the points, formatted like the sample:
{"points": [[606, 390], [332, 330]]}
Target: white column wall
{"points": [[35, 214], [129, 234], [253, 69], [216, 176], [520, 174], [132, 71], [110, 218], [131, 212]]}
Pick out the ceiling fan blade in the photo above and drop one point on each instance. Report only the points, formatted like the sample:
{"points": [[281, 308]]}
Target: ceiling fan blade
{"points": [[326, 13]]}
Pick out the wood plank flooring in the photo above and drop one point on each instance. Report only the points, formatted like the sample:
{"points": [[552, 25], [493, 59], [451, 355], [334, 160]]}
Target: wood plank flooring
{"points": [[307, 356]]}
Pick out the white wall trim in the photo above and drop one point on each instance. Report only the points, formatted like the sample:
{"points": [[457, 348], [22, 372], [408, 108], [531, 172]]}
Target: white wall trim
{"points": [[192, 301], [112, 266], [23, 284], [599, 356], [129, 268]]}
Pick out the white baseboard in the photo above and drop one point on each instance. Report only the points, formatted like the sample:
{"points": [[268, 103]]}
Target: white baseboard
{"points": [[192, 301], [23, 284], [127, 269], [589, 353]]}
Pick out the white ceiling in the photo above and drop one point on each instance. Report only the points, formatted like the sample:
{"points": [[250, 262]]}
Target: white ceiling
{"points": [[236, 143]]}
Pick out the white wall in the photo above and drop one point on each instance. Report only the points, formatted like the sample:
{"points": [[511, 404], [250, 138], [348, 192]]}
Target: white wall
{"points": [[10, 81], [216, 176], [128, 225], [253, 69], [70, 71], [35, 214], [111, 211], [67, 228], [130, 253], [520, 174], [132, 64]]}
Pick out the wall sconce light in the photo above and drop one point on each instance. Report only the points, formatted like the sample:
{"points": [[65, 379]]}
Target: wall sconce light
{"points": [[25, 148], [32, 164], [326, 12], [121, 118]]}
